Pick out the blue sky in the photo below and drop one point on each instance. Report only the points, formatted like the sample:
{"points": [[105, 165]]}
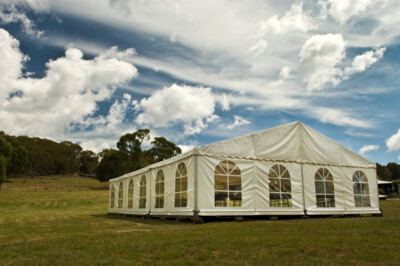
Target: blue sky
{"points": [[198, 72]]}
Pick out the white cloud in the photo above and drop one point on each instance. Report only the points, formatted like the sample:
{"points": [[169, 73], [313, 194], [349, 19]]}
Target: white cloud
{"points": [[285, 73], [178, 103], [393, 143], [337, 117], [320, 56], [64, 98], [343, 10], [293, 20], [12, 11], [186, 148], [367, 148], [239, 121], [364, 61]]}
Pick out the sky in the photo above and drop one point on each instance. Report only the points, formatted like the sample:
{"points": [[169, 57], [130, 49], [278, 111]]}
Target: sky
{"points": [[197, 72]]}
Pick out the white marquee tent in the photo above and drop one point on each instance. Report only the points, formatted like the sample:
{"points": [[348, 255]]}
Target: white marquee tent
{"points": [[287, 170]]}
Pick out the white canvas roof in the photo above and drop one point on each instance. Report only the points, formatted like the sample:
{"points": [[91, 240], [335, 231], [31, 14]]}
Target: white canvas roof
{"points": [[293, 142]]}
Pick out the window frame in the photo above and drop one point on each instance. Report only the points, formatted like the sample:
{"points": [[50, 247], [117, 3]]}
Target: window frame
{"points": [[131, 188], [181, 178], [121, 195], [360, 181], [232, 195], [326, 179], [142, 192], [159, 189], [279, 175], [112, 197]]}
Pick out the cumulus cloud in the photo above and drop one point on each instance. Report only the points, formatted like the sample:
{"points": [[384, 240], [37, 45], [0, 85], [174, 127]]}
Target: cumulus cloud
{"points": [[14, 11], [61, 100], [364, 61], [320, 56], [344, 10], [295, 19], [367, 148], [178, 103], [239, 121], [393, 143]]}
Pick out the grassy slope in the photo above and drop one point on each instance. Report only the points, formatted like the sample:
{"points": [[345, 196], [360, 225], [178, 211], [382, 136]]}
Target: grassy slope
{"points": [[72, 227]]}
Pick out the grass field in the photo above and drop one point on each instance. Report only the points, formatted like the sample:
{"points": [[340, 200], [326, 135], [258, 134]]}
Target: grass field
{"points": [[73, 228]]}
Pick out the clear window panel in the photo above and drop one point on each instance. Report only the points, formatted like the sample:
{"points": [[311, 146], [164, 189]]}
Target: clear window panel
{"points": [[236, 171], [183, 199], [329, 187], [366, 201], [219, 170], [177, 200], [286, 200], [184, 184], [178, 182], [286, 185], [274, 199], [235, 183], [159, 202], [162, 188], [235, 199], [364, 188], [321, 201], [274, 185], [274, 171], [358, 201], [330, 201], [319, 187], [221, 182], [221, 199], [231, 167], [357, 188], [130, 204]]}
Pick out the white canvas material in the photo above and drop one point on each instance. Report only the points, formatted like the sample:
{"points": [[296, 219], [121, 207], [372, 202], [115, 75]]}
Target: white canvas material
{"points": [[278, 172]]}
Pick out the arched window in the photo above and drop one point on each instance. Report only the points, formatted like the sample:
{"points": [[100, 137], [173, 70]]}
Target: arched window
{"points": [[324, 188], [181, 185], [160, 189], [228, 185], [112, 200], [130, 194], [280, 187], [120, 195], [142, 193], [361, 190]]}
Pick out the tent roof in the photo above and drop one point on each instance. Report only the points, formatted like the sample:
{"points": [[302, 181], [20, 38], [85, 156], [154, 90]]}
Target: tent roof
{"points": [[293, 142]]}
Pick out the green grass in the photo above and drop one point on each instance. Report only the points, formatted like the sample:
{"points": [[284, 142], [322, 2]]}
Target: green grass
{"points": [[73, 228]]}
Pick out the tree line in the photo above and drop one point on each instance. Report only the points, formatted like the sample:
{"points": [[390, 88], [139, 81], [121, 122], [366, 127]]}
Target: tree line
{"points": [[24, 155], [389, 172]]}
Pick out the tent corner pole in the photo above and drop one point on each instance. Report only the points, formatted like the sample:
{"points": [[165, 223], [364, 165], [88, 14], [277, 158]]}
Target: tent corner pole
{"points": [[302, 189], [196, 194]]}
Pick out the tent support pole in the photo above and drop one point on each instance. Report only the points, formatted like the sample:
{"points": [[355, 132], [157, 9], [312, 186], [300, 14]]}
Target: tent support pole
{"points": [[303, 188], [196, 185]]}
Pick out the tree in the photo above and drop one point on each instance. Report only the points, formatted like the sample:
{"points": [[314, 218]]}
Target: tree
{"points": [[132, 142], [383, 172], [88, 162], [394, 168], [113, 164], [163, 149]]}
